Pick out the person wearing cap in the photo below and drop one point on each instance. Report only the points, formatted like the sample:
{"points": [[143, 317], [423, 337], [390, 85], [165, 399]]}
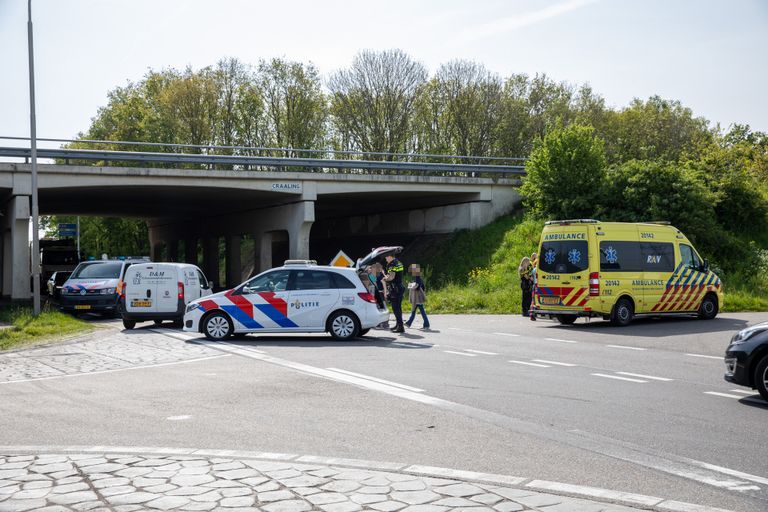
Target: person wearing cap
{"points": [[394, 280]]}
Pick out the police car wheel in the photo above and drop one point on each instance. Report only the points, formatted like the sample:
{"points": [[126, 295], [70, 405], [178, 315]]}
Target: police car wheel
{"points": [[761, 377], [217, 327], [363, 332], [622, 313], [708, 308], [343, 326]]}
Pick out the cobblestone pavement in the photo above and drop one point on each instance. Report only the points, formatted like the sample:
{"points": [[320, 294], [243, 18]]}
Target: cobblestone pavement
{"points": [[106, 350], [124, 482]]}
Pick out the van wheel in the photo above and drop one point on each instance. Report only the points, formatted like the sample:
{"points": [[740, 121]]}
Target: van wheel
{"points": [[622, 313], [343, 326], [217, 327], [566, 319], [708, 308], [129, 324], [761, 377]]}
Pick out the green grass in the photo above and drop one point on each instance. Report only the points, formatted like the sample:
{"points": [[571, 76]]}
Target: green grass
{"points": [[476, 272], [27, 330]]}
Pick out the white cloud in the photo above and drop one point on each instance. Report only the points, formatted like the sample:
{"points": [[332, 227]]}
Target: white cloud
{"points": [[517, 21]]}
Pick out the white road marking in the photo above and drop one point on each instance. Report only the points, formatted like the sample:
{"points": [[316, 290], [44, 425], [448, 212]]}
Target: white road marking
{"points": [[617, 377], [459, 353], [719, 358], [733, 472], [178, 418], [459, 329], [625, 347], [553, 362], [744, 391], [480, 352], [530, 364], [375, 379], [113, 370], [507, 334], [558, 339], [664, 379], [726, 395]]}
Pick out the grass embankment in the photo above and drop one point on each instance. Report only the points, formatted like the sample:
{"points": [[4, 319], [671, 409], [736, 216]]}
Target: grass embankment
{"points": [[25, 329], [476, 271]]}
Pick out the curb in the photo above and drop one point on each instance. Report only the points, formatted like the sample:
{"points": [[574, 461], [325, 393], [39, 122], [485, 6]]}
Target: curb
{"points": [[563, 489]]}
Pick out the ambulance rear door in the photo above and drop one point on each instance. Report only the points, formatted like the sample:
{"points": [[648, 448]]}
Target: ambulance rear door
{"points": [[563, 271]]}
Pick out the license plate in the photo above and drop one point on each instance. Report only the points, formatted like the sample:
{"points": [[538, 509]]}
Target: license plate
{"points": [[82, 306], [141, 303], [551, 301]]}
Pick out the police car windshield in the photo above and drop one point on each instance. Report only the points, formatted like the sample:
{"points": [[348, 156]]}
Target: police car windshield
{"points": [[564, 257], [98, 270]]}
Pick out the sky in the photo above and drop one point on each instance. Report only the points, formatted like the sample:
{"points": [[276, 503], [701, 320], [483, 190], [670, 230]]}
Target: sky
{"points": [[711, 55]]}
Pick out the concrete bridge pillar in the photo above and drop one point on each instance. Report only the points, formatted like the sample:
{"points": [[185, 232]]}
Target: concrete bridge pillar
{"points": [[211, 260], [173, 251], [234, 264], [16, 252], [300, 219], [190, 251]]}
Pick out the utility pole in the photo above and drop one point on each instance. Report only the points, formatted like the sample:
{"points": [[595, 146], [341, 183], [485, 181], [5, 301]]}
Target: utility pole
{"points": [[33, 138]]}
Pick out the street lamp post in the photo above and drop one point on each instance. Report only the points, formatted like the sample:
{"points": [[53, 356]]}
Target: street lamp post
{"points": [[33, 138]]}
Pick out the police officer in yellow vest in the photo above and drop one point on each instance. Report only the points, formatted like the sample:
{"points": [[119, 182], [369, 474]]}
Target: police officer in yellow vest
{"points": [[394, 279]]}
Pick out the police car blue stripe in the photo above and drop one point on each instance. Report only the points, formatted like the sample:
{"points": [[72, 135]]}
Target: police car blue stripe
{"points": [[274, 315], [239, 315]]}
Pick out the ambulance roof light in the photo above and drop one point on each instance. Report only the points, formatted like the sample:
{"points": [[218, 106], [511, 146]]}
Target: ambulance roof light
{"points": [[570, 221]]}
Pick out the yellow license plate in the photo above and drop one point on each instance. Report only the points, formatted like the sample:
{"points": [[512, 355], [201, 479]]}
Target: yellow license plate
{"points": [[551, 301], [141, 303], [82, 306]]}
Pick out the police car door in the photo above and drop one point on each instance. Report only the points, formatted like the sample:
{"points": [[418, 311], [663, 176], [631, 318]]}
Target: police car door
{"points": [[261, 304], [313, 294]]}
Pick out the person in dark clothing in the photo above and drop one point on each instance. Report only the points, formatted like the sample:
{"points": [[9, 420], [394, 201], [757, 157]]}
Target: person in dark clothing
{"points": [[394, 280], [526, 283]]}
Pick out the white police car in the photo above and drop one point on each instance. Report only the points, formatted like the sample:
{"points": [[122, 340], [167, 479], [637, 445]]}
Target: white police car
{"points": [[297, 297]]}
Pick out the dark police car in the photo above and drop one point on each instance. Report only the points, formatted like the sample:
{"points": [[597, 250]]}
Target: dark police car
{"points": [[96, 286], [746, 359]]}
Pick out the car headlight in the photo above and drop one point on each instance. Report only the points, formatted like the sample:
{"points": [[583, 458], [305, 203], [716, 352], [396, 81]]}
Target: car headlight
{"points": [[191, 307], [107, 291], [745, 334]]}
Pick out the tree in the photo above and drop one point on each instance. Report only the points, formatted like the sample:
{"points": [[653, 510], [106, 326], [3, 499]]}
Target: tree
{"points": [[373, 102], [295, 105], [565, 173]]}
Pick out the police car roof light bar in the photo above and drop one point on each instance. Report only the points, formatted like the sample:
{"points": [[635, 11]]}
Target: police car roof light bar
{"points": [[305, 263]]}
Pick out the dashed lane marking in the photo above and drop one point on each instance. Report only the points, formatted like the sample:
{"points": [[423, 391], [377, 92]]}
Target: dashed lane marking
{"points": [[719, 358], [530, 364], [553, 362], [726, 395], [560, 340], [376, 379], [512, 335], [625, 347], [618, 378], [481, 352], [640, 375], [743, 391], [459, 353]]}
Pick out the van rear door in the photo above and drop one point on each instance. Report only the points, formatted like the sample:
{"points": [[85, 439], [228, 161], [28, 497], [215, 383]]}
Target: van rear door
{"points": [[140, 291], [167, 281], [562, 276]]}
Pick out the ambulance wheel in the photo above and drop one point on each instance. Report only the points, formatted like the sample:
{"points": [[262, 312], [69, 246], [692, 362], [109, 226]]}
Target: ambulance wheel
{"points": [[363, 332], [343, 326], [129, 324], [217, 327], [566, 319], [622, 312], [708, 308]]}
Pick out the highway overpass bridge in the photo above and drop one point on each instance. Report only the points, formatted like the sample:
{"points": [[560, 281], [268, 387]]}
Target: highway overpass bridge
{"points": [[311, 210]]}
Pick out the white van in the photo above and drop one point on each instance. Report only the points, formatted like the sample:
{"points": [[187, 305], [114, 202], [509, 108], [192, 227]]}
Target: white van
{"points": [[160, 291]]}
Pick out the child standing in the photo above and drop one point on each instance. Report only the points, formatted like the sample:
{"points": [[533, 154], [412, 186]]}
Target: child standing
{"points": [[417, 296]]}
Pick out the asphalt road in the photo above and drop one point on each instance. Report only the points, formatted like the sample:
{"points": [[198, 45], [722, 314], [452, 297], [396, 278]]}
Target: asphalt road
{"points": [[627, 409]]}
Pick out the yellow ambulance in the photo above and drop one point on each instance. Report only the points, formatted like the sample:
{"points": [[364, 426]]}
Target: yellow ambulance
{"points": [[619, 270]]}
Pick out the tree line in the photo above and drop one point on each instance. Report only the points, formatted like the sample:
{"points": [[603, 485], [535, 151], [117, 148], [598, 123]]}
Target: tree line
{"points": [[652, 159]]}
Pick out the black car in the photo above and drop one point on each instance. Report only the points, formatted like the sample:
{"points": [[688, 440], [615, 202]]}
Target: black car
{"points": [[746, 359], [56, 282]]}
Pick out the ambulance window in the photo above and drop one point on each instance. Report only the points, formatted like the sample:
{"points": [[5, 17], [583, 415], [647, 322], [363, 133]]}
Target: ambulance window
{"points": [[658, 256], [564, 257], [312, 280], [620, 256], [276, 281], [688, 257]]}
